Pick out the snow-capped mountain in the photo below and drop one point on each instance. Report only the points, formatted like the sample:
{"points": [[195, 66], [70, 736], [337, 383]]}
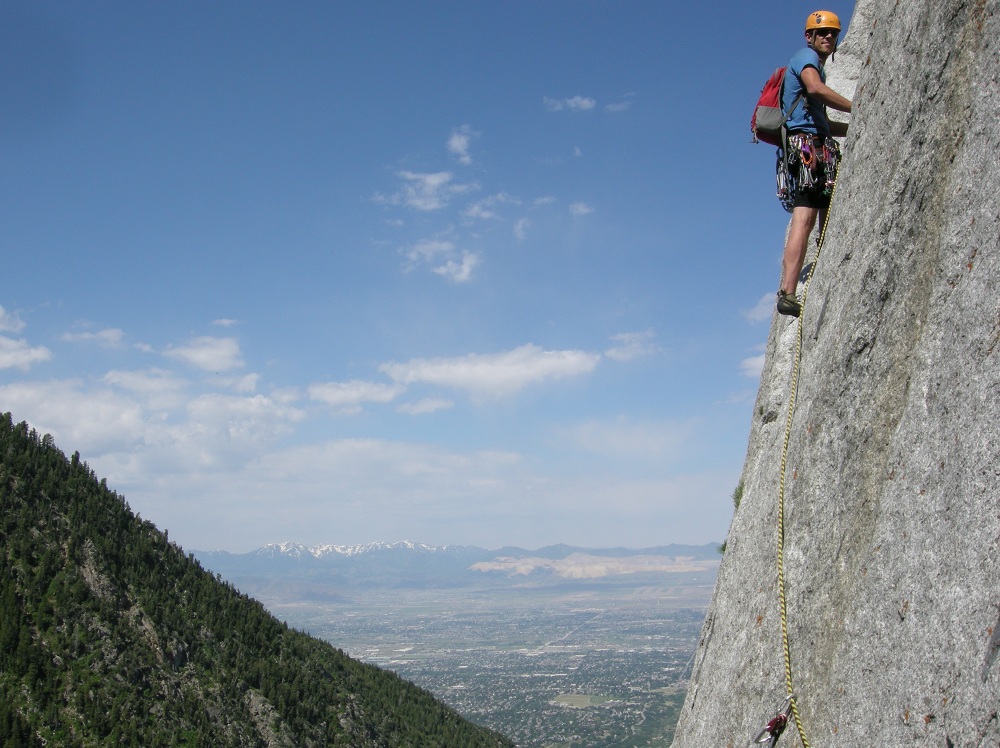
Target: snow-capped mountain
{"points": [[299, 551], [407, 564]]}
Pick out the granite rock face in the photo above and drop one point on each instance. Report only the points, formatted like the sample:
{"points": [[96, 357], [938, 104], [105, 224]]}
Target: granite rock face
{"points": [[892, 482]]}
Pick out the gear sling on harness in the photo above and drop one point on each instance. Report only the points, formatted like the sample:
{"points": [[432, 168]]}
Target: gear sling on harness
{"points": [[805, 162]]}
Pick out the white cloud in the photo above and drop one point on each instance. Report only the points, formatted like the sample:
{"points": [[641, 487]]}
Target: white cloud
{"points": [[146, 425], [480, 210], [350, 396], [621, 106], [241, 421], [574, 104], [109, 338], [359, 490], [429, 250], [426, 191], [18, 353], [631, 345], [10, 322], [425, 406], [459, 271], [93, 421], [459, 142], [224, 322], [445, 258], [494, 374], [762, 310], [623, 437], [580, 209], [348, 490], [521, 228], [487, 208], [208, 353], [753, 366], [245, 383], [157, 388]]}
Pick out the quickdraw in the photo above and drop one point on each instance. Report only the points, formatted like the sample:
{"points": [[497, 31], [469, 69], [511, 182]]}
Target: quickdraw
{"points": [[775, 726], [809, 163]]}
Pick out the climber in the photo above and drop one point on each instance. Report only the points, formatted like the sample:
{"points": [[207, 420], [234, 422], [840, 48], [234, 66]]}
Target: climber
{"points": [[812, 151]]}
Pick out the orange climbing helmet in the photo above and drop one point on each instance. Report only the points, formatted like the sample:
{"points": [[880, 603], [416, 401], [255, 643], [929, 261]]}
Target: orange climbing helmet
{"points": [[822, 19]]}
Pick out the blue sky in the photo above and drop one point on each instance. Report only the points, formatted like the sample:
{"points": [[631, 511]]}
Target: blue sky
{"points": [[472, 273]]}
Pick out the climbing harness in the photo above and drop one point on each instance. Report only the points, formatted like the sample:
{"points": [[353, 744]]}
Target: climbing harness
{"points": [[775, 726], [805, 162], [792, 708]]}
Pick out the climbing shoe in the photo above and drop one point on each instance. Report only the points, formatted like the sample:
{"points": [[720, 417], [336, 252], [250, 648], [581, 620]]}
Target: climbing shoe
{"points": [[788, 304]]}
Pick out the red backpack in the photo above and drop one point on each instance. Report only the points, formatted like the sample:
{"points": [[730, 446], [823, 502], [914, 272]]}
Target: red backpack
{"points": [[768, 121]]}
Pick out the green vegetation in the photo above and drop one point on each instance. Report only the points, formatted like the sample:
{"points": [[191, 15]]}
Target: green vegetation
{"points": [[111, 635], [737, 495], [737, 498]]}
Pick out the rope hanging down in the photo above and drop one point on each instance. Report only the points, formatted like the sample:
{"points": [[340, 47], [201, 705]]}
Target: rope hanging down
{"points": [[793, 706]]}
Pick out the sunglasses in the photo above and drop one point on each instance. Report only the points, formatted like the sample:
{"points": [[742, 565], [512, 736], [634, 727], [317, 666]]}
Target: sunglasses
{"points": [[827, 32]]}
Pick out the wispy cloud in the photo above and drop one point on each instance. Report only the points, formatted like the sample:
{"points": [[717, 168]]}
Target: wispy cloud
{"points": [[444, 258], [109, 338], [624, 437], [494, 374], [762, 310], [429, 251], [243, 421], [459, 142], [426, 406], [621, 106], [426, 191], [10, 322], [574, 104], [460, 270], [580, 209], [160, 389], [208, 353], [753, 366], [630, 345], [350, 396], [243, 384], [488, 207]]}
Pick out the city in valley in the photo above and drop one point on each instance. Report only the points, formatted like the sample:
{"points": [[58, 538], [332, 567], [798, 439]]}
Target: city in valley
{"points": [[583, 650]]}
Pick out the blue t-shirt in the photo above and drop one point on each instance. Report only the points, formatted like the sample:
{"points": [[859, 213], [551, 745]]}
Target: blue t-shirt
{"points": [[809, 116]]}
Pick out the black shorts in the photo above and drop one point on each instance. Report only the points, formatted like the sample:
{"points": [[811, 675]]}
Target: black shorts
{"points": [[817, 199]]}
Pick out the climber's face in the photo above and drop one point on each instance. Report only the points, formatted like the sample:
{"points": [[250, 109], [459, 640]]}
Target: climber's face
{"points": [[824, 41]]}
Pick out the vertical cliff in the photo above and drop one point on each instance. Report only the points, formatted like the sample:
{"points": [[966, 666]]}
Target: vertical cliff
{"points": [[892, 482]]}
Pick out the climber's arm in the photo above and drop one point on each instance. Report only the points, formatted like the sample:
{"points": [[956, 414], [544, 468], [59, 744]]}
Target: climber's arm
{"points": [[819, 91]]}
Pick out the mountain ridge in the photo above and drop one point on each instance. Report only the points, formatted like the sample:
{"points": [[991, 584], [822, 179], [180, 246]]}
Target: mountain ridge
{"points": [[111, 635], [331, 571], [292, 549]]}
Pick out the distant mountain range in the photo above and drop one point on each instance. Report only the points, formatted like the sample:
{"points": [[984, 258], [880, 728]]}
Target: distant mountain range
{"points": [[328, 570]]}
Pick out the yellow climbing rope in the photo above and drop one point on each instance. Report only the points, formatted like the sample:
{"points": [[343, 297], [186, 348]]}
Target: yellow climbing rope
{"points": [[781, 484]]}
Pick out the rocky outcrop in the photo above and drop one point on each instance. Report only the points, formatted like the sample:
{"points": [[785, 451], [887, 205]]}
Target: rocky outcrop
{"points": [[892, 482]]}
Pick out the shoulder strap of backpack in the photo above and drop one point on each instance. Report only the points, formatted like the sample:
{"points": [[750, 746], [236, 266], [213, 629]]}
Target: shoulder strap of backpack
{"points": [[786, 115]]}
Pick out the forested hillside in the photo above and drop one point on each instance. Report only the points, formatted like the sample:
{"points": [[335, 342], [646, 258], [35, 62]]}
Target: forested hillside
{"points": [[111, 635]]}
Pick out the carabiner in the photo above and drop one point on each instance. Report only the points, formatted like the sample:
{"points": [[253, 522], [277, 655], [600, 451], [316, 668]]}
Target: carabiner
{"points": [[773, 729]]}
